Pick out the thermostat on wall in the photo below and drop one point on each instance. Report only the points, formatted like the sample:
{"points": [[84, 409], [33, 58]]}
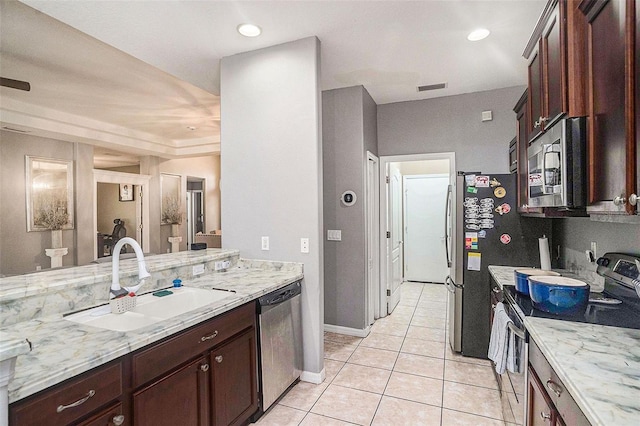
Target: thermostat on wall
{"points": [[348, 198]]}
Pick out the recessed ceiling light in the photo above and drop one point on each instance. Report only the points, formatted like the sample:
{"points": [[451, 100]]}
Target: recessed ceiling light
{"points": [[249, 30], [479, 34]]}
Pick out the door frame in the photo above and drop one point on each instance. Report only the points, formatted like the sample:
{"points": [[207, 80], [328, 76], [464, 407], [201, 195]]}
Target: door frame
{"points": [[385, 257], [372, 237], [142, 203]]}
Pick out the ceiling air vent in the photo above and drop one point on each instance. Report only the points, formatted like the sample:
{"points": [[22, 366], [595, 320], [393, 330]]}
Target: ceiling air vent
{"points": [[432, 87]]}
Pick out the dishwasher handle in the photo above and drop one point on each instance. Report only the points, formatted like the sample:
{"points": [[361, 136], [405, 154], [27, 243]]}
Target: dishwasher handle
{"points": [[282, 295]]}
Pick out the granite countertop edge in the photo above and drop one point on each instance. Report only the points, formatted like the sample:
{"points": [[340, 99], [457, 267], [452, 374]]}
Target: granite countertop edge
{"points": [[63, 349]]}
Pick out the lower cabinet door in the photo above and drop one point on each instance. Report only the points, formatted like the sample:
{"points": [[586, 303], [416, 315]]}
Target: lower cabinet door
{"points": [[234, 382], [540, 411], [112, 416], [179, 398]]}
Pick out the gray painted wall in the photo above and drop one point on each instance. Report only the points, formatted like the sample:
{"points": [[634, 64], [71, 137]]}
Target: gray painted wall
{"points": [[271, 161], [348, 131], [575, 235], [453, 123], [22, 251]]}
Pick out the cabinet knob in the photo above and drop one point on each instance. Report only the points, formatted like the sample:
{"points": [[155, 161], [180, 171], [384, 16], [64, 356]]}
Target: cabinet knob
{"points": [[619, 201], [633, 199], [117, 420], [204, 367], [218, 359], [545, 416]]}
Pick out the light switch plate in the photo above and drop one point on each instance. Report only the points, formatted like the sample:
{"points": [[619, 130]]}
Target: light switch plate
{"points": [[222, 264], [304, 245], [265, 243], [198, 269], [334, 235]]}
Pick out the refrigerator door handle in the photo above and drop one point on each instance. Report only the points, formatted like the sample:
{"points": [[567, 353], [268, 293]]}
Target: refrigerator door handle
{"points": [[446, 225]]}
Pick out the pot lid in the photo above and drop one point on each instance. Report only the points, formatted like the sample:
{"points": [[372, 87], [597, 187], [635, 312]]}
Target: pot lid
{"points": [[562, 281]]}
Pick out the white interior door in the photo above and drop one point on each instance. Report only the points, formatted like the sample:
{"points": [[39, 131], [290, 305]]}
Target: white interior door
{"points": [[425, 197], [395, 225]]}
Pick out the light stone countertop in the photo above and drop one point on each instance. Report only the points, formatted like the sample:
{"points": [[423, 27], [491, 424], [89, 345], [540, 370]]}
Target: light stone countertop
{"points": [[62, 349], [504, 275], [599, 365]]}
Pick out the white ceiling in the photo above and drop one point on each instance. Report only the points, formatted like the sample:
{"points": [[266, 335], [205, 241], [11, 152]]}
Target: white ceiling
{"points": [[390, 47]]}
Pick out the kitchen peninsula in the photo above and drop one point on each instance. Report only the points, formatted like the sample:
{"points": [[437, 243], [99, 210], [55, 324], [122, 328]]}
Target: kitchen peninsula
{"points": [[62, 349]]}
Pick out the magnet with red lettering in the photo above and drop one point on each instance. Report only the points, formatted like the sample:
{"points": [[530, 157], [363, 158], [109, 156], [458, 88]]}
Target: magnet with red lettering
{"points": [[500, 192], [505, 238], [482, 181]]}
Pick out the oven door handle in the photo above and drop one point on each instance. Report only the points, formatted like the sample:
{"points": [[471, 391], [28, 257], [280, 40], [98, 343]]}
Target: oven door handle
{"points": [[518, 332]]}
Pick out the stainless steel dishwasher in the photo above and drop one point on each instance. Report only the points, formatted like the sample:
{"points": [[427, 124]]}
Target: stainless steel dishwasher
{"points": [[280, 342]]}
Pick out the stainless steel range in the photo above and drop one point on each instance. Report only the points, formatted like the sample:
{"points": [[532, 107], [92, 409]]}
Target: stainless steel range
{"points": [[617, 306]]}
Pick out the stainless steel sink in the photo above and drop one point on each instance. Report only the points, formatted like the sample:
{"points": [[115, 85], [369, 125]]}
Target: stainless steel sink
{"points": [[150, 309]]}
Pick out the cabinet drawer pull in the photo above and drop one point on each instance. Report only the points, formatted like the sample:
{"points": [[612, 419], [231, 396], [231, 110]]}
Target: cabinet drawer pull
{"points": [[204, 367], [118, 420], [61, 408], [209, 337], [545, 416], [554, 387], [218, 359]]}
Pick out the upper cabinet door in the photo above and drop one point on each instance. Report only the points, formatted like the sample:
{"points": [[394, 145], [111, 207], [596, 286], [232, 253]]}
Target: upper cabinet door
{"points": [[535, 110], [612, 117], [555, 93]]}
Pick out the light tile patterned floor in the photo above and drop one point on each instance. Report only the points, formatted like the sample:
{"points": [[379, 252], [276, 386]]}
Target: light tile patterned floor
{"points": [[403, 373]]}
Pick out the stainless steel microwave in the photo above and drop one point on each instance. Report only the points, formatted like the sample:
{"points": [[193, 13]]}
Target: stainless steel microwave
{"points": [[557, 166]]}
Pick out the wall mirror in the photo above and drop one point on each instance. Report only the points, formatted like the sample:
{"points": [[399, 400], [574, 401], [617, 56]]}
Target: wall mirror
{"points": [[49, 184], [171, 201]]}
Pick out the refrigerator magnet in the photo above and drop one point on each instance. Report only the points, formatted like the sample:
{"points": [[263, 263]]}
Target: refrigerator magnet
{"points": [[503, 209], [470, 180], [472, 189], [482, 233], [474, 261], [505, 238], [494, 182], [482, 181], [500, 192]]}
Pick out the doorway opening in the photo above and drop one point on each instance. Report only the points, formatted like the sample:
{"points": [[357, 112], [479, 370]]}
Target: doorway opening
{"points": [[195, 208], [119, 199], [412, 221]]}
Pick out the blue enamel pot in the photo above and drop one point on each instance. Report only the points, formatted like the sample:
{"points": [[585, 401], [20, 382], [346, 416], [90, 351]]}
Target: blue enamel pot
{"points": [[558, 295], [522, 275]]}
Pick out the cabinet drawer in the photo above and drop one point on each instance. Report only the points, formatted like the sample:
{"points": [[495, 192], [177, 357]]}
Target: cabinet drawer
{"points": [[158, 359], [71, 401], [108, 417]]}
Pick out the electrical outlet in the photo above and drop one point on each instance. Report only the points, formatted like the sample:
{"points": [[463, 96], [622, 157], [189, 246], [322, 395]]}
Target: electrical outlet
{"points": [[265, 243], [222, 264], [198, 269], [304, 245], [594, 249]]}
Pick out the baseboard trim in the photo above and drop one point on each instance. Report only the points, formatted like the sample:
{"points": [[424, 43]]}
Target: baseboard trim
{"points": [[315, 378], [348, 330]]}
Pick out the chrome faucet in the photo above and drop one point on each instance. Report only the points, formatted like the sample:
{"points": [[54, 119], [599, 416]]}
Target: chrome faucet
{"points": [[116, 290]]}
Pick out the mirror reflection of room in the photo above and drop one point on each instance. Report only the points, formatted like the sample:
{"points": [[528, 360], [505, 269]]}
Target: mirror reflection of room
{"points": [[116, 218]]}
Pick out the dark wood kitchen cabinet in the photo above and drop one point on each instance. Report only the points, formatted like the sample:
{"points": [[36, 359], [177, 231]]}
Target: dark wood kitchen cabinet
{"points": [[82, 397], [556, 58], [613, 43], [234, 380], [205, 375], [180, 398], [540, 410]]}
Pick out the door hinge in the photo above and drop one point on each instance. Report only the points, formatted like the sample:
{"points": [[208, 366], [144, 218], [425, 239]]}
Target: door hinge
{"points": [[388, 292], [388, 234], [387, 179]]}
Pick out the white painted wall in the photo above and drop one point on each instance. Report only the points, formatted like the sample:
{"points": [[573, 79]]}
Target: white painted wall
{"points": [[271, 160]]}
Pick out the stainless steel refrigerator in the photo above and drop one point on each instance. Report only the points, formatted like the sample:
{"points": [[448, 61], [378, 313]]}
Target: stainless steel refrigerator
{"points": [[483, 228]]}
